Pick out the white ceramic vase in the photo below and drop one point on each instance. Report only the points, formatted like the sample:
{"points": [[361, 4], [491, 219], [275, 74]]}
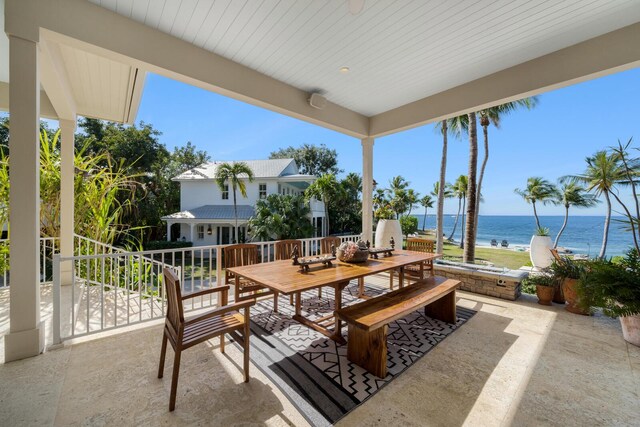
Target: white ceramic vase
{"points": [[540, 253], [385, 229], [631, 329]]}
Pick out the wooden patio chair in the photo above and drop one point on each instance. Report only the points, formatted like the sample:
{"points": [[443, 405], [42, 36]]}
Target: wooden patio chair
{"points": [[240, 255], [504, 244], [325, 244], [185, 333], [494, 243], [413, 270], [284, 250]]}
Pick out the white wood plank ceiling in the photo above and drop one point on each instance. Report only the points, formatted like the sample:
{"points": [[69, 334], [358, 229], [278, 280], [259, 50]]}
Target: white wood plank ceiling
{"points": [[101, 87], [397, 51]]}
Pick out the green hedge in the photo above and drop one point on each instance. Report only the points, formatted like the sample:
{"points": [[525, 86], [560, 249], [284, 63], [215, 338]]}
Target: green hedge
{"points": [[156, 245]]}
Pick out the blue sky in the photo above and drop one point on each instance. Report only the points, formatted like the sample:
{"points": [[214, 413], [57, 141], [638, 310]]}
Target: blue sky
{"points": [[550, 141]]}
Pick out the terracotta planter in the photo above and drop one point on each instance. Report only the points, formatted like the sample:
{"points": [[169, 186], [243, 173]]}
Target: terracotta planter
{"points": [[539, 251], [571, 295], [631, 329], [558, 295], [545, 294]]}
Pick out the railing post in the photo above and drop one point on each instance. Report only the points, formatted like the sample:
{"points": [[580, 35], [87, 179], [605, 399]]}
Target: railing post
{"points": [[219, 266], [56, 299]]}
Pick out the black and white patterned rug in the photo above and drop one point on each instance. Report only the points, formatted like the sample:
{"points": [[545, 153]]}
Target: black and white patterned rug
{"points": [[313, 370]]}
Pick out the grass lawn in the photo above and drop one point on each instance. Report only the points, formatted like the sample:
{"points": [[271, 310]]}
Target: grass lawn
{"points": [[499, 257]]}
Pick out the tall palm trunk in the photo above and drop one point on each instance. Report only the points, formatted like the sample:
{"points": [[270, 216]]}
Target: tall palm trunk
{"points": [[564, 224], [484, 121], [464, 203], [235, 214], [535, 214], [455, 224], [326, 215], [424, 220], [443, 173], [607, 221], [469, 253]]}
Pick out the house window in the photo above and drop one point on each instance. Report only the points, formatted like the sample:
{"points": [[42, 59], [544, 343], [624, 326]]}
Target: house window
{"points": [[200, 232], [262, 191], [225, 192]]}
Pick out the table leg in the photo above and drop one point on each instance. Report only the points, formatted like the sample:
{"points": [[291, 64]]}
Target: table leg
{"points": [[298, 304], [401, 277], [360, 287], [337, 332]]}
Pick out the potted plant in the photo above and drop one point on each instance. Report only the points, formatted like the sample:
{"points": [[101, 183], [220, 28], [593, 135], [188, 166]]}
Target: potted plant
{"points": [[545, 284], [614, 285], [568, 271], [539, 248], [387, 227]]}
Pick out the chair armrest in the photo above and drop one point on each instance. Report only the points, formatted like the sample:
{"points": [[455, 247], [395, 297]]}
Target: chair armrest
{"points": [[222, 310], [205, 292]]}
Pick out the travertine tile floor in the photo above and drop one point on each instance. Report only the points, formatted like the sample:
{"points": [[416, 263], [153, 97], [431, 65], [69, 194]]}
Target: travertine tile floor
{"points": [[513, 363]]}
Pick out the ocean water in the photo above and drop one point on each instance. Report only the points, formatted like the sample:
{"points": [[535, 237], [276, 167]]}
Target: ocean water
{"points": [[582, 235]]}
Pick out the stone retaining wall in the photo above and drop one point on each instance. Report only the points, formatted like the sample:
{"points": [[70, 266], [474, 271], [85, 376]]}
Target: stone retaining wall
{"points": [[493, 282]]}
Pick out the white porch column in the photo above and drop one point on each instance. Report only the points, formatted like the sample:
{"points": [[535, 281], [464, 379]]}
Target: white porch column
{"points": [[169, 231], [67, 200], [367, 189], [191, 226], [26, 333]]}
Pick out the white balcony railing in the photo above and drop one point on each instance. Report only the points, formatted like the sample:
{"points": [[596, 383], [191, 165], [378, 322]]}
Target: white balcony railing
{"points": [[113, 289], [48, 247]]}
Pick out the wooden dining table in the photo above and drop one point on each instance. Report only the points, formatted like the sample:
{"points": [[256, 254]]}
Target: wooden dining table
{"points": [[288, 279]]}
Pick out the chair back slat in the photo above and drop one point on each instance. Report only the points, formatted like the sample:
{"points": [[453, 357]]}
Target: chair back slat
{"points": [[325, 244], [175, 313], [238, 256], [421, 245], [284, 248]]}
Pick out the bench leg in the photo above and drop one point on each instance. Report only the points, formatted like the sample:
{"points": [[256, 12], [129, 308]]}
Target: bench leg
{"points": [[443, 309], [368, 349]]}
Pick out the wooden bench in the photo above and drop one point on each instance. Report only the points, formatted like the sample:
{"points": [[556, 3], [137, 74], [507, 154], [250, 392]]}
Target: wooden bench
{"points": [[369, 320]]}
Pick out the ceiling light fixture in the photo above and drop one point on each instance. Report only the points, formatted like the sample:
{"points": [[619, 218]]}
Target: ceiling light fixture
{"points": [[355, 6], [344, 70]]}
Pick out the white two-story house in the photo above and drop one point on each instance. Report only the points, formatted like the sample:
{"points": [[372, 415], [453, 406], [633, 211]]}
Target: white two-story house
{"points": [[206, 214]]}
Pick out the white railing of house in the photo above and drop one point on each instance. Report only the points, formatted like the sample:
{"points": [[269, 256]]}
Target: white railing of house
{"points": [[48, 247], [118, 289]]}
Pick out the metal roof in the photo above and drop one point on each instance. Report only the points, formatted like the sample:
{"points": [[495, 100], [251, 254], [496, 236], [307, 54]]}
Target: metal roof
{"points": [[271, 168], [213, 212]]}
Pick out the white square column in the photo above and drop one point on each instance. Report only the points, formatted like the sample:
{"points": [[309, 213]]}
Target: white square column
{"points": [[67, 198], [367, 189], [26, 336]]}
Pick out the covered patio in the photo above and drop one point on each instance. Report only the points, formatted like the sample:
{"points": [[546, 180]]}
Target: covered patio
{"points": [[513, 363], [367, 73]]}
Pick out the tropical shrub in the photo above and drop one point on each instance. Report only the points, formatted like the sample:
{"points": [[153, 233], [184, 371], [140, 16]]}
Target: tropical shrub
{"points": [[409, 224], [103, 191], [281, 217], [612, 285], [155, 245]]}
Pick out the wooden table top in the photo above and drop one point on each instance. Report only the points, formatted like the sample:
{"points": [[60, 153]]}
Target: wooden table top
{"points": [[286, 278]]}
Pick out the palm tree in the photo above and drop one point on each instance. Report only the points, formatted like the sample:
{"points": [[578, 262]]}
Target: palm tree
{"points": [[426, 202], [604, 171], [379, 198], [494, 115], [572, 194], [234, 174], [538, 190], [469, 253], [456, 126], [323, 189], [442, 126], [412, 199], [459, 190]]}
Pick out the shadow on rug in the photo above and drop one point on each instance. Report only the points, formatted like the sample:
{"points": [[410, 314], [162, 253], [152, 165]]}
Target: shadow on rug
{"points": [[313, 371]]}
